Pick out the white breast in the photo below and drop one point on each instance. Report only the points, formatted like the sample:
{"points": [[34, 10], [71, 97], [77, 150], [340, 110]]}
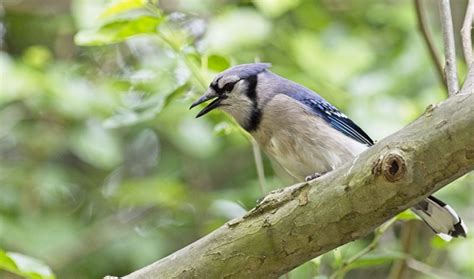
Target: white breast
{"points": [[301, 142]]}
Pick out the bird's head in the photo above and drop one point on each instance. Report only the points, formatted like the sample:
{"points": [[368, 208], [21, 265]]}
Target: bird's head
{"points": [[235, 92]]}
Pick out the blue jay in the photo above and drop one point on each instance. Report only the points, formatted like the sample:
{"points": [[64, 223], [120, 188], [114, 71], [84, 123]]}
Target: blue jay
{"points": [[302, 132]]}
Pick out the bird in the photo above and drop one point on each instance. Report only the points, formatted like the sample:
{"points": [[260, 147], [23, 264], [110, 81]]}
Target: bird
{"points": [[302, 132]]}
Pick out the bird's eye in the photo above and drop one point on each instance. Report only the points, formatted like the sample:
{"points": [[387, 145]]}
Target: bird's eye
{"points": [[228, 87]]}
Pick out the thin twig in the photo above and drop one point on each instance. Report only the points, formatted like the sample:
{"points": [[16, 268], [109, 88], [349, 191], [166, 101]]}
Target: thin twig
{"points": [[190, 64], [466, 33], [346, 265], [449, 47], [431, 271], [468, 85], [257, 155], [408, 234], [423, 26]]}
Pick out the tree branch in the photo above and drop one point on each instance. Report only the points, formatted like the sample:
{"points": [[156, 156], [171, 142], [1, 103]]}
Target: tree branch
{"points": [[423, 26], [466, 33], [450, 70], [295, 224], [468, 85]]}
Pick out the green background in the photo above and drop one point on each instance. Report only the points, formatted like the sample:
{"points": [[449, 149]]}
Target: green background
{"points": [[103, 169]]}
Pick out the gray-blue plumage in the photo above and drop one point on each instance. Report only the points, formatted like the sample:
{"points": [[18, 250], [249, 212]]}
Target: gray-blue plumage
{"points": [[329, 113], [337, 119], [315, 102]]}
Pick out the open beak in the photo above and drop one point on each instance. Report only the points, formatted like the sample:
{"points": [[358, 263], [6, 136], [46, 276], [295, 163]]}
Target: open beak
{"points": [[210, 94]]}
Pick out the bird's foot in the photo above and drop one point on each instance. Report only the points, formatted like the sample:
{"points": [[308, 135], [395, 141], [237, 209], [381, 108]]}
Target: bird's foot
{"points": [[314, 176]]}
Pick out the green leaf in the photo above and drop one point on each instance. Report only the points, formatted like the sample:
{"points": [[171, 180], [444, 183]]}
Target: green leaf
{"points": [[122, 6], [6, 263], [176, 93], [37, 56], [275, 8], [406, 215], [144, 111], [217, 63], [24, 266], [253, 29], [118, 30], [377, 259], [438, 243]]}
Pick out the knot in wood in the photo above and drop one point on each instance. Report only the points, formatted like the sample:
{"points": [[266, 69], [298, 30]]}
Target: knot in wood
{"points": [[393, 167]]}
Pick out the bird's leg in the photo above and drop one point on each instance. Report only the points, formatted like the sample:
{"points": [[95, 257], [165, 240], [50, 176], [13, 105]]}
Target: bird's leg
{"points": [[314, 176], [260, 200], [307, 178]]}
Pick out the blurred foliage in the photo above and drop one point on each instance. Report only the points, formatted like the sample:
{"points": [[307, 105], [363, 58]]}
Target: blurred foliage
{"points": [[24, 266], [104, 170]]}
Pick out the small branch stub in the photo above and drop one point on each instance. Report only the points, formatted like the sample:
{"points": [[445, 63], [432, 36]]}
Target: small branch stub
{"points": [[394, 167], [391, 165]]}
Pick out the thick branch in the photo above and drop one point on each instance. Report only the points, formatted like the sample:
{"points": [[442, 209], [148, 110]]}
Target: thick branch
{"points": [[466, 33], [450, 70], [300, 222]]}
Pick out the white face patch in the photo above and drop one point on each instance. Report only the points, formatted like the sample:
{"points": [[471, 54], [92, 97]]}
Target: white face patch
{"points": [[227, 79]]}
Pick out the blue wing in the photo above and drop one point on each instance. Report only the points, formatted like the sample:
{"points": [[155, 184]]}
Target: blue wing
{"points": [[338, 120], [331, 114]]}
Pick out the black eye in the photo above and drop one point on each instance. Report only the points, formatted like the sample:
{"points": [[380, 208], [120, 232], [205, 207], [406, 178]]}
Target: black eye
{"points": [[228, 87]]}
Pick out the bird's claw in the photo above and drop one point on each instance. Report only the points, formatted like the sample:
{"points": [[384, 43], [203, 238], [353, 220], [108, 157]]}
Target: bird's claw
{"points": [[313, 176]]}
